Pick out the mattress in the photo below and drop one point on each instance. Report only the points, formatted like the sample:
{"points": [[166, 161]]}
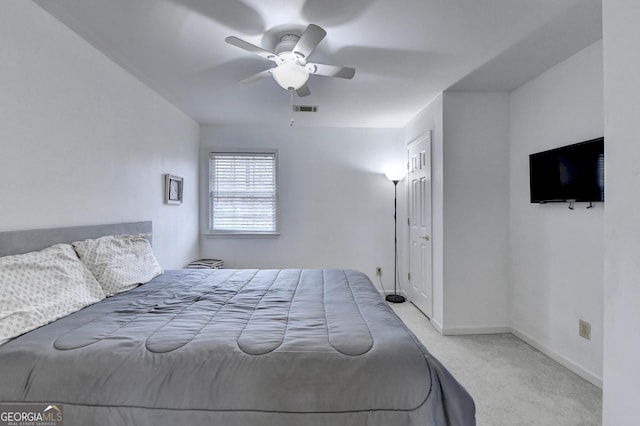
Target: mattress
{"points": [[236, 347]]}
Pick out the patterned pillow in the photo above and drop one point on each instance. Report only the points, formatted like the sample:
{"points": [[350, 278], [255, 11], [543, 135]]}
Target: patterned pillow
{"points": [[119, 262], [42, 286]]}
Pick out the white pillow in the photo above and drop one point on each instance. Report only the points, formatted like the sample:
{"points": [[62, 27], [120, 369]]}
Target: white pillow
{"points": [[39, 287], [119, 262]]}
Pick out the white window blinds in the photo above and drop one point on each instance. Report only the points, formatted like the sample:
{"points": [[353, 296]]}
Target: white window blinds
{"points": [[243, 192]]}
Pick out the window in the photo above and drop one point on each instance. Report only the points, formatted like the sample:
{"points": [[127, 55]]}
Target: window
{"points": [[243, 192]]}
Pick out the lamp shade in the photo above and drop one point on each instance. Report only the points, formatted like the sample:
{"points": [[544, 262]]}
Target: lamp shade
{"points": [[290, 76], [395, 174]]}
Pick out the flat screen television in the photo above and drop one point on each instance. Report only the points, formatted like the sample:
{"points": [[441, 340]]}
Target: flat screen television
{"points": [[570, 173]]}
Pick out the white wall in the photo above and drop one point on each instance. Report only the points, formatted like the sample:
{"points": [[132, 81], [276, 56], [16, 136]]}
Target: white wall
{"points": [[476, 212], [557, 254], [469, 209], [336, 206], [83, 142], [622, 228]]}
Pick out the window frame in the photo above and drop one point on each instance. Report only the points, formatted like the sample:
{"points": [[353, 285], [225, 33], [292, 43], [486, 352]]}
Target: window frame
{"points": [[210, 233]]}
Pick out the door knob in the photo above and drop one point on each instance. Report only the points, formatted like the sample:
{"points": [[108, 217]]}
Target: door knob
{"points": [[425, 236]]}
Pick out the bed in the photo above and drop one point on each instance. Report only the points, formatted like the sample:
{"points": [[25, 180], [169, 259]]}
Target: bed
{"points": [[229, 347]]}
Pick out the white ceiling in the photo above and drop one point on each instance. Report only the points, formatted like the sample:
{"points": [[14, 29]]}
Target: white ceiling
{"points": [[405, 51]]}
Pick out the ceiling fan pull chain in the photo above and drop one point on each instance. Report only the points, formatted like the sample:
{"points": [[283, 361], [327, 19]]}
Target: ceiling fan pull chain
{"points": [[291, 108]]}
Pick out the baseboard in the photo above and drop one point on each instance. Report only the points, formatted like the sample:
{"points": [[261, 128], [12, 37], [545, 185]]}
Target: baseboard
{"points": [[577, 369], [457, 331], [437, 325]]}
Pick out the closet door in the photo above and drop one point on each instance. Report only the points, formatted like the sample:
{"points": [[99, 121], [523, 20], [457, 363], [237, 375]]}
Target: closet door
{"points": [[419, 197]]}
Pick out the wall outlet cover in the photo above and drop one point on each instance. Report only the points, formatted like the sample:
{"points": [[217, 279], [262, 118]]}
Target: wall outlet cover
{"points": [[584, 329]]}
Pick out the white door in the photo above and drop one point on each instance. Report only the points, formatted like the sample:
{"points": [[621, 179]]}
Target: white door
{"points": [[419, 188]]}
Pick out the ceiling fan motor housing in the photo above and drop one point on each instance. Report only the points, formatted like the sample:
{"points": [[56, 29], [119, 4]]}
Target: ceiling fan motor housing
{"points": [[287, 43]]}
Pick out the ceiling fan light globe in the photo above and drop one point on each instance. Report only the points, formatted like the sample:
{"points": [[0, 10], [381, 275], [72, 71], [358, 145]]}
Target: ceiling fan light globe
{"points": [[290, 76]]}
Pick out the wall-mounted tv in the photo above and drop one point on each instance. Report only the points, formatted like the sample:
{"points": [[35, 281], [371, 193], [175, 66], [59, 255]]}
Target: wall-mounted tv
{"points": [[570, 173]]}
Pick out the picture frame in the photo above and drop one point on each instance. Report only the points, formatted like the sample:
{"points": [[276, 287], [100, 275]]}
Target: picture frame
{"points": [[173, 189]]}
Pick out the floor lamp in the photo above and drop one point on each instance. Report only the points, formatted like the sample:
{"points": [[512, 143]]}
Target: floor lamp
{"points": [[395, 176]]}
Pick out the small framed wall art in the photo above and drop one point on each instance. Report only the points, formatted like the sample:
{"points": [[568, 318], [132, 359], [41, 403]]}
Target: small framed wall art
{"points": [[172, 189]]}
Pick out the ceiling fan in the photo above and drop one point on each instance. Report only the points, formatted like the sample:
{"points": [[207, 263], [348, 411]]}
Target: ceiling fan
{"points": [[291, 54]]}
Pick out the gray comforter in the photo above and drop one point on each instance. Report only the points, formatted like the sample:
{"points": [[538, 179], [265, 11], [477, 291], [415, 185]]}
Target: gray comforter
{"points": [[236, 347]]}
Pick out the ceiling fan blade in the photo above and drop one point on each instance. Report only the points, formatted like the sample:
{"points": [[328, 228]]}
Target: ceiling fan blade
{"points": [[311, 37], [256, 77], [331, 70], [235, 41], [303, 91]]}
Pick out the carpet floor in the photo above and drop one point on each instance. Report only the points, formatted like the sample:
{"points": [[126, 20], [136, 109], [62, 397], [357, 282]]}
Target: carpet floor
{"points": [[511, 382]]}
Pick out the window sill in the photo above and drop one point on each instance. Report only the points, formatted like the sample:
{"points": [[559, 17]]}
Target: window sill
{"points": [[242, 235]]}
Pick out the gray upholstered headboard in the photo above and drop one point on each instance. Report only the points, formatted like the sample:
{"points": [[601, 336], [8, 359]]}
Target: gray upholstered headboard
{"points": [[18, 242]]}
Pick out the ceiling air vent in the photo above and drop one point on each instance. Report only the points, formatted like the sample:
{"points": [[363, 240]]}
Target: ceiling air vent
{"points": [[305, 108]]}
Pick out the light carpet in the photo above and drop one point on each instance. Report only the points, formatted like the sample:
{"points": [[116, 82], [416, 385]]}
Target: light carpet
{"points": [[511, 382]]}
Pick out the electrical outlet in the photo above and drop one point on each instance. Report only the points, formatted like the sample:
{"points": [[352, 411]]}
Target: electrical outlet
{"points": [[378, 271], [584, 329]]}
